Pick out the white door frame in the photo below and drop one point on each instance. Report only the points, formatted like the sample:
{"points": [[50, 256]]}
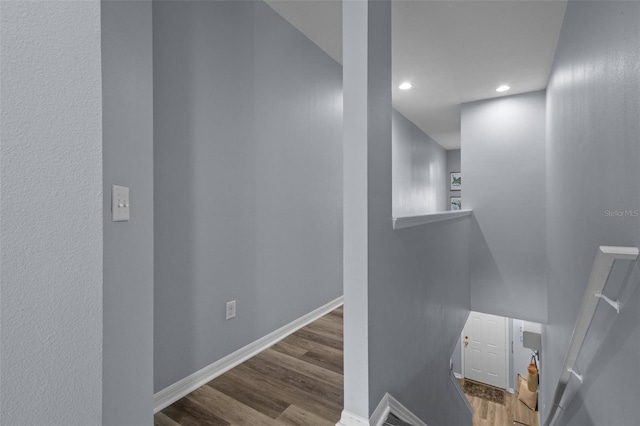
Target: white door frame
{"points": [[507, 352]]}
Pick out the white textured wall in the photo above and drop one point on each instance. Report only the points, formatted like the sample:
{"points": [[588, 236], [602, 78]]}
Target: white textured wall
{"points": [[50, 213]]}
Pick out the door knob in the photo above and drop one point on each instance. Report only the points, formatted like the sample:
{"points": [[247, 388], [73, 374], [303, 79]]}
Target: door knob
{"points": [[466, 341]]}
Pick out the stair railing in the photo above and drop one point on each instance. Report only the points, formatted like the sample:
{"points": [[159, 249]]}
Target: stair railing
{"points": [[599, 274]]}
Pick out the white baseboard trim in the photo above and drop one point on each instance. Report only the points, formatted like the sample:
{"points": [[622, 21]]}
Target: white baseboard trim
{"points": [[174, 392], [347, 418], [511, 391], [458, 375], [388, 404]]}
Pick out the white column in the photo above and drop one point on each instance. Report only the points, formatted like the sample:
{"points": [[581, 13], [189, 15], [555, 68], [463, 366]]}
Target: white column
{"points": [[367, 136]]}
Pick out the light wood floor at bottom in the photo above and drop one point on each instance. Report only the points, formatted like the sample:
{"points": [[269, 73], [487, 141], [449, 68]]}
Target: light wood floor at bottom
{"points": [[486, 413]]}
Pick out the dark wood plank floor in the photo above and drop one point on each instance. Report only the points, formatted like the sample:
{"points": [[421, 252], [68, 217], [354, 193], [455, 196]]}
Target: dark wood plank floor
{"points": [[298, 381]]}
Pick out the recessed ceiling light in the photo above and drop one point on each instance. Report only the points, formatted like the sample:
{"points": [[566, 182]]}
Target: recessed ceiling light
{"points": [[405, 86], [503, 88]]}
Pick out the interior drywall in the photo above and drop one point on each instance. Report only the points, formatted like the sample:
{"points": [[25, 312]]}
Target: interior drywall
{"points": [[50, 213], [419, 170], [127, 87], [593, 105], [456, 357], [503, 141], [247, 179], [298, 172], [454, 164], [419, 301], [407, 291]]}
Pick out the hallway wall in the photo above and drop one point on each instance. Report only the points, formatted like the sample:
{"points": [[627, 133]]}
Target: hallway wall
{"points": [[454, 162], [127, 87], [247, 179], [419, 170], [593, 105], [503, 141]]}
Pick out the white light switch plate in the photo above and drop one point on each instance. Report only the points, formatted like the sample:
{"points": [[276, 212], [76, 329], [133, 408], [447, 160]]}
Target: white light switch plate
{"points": [[119, 203]]}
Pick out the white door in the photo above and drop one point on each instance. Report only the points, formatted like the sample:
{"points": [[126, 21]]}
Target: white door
{"points": [[484, 344]]}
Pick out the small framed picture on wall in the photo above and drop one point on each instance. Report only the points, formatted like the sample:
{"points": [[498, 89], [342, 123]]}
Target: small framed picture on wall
{"points": [[455, 181], [456, 203]]}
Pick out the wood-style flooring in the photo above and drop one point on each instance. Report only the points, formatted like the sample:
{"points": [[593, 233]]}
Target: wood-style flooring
{"points": [[298, 381], [514, 412]]}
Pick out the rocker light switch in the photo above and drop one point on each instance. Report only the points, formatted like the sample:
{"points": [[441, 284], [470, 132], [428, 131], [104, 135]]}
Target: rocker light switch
{"points": [[119, 203]]}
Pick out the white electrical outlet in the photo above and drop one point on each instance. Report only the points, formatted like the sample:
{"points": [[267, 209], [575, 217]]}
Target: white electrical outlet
{"points": [[231, 309]]}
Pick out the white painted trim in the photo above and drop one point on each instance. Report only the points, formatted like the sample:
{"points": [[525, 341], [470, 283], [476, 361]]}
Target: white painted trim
{"points": [[512, 391], [349, 419], [602, 265], [174, 392], [461, 395], [408, 221], [458, 375], [402, 413], [462, 347], [507, 350], [381, 412], [388, 404]]}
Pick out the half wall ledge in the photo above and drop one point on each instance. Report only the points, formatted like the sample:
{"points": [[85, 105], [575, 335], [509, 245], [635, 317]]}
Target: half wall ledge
{"points": [[409, 221]]}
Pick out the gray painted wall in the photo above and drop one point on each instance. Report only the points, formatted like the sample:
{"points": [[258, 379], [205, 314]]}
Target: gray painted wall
{"points": [[127, 85], [504, 170], [419, 301], [407, 291], [247, 179], [456, 356], [419, 170], [593, 105], [454, 164], [50, 214]]}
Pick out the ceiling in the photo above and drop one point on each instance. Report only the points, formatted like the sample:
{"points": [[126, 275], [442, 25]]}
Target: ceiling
{"points": [[451, 51]]}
